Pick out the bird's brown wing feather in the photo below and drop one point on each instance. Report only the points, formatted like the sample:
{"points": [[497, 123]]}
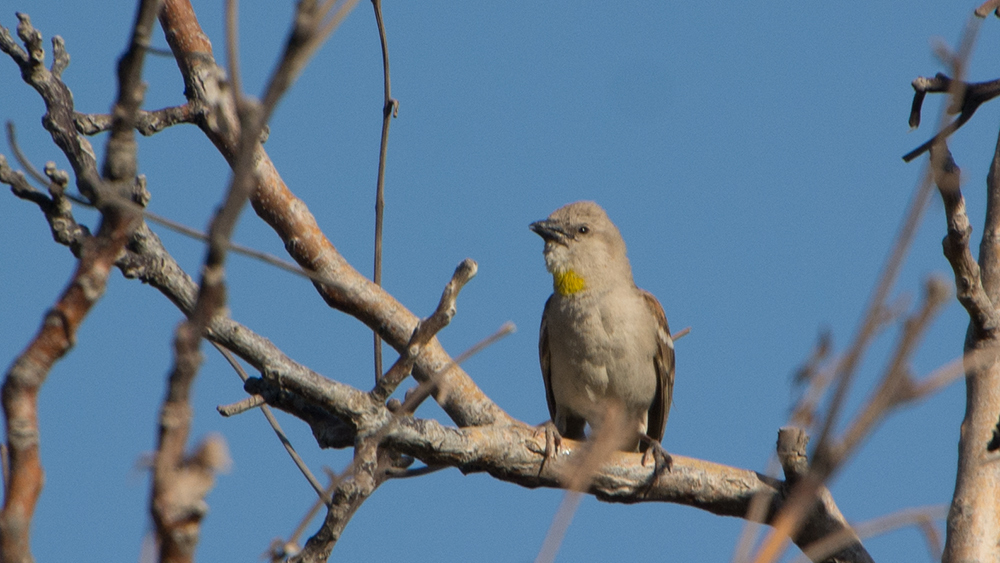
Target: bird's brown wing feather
{"points": [[660, 409], [545, 359]]}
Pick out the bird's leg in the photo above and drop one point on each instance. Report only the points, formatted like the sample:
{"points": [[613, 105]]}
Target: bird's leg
{"points": [[553, 439], [661, 459]]}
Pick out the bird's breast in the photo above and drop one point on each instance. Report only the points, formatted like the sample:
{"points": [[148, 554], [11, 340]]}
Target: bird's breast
{"points": [[599, 351]]}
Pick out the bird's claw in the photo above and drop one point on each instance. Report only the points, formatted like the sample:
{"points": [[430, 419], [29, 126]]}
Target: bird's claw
{"points": [[661, 459], [553, 440]]}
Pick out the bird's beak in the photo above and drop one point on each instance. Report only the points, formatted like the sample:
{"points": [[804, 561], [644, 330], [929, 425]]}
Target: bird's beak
{"points": [[551, 231]]}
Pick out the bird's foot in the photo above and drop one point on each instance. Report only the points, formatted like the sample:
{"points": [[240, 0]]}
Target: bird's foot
{"points": [[553, 440], [661, 459]]}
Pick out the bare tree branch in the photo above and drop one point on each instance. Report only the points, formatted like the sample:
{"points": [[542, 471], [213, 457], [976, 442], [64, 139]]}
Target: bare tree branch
{"points": [[968, 282], [972, 513], [965, 98], [146, 122], [910, 517], [98, 253], [258, 401], [974, 517], [896, 386], [390, 109], [425, 330], [345, 288]]}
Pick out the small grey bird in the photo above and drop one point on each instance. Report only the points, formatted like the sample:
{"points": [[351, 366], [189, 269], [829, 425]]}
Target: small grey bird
{"points": [[603, 342]]}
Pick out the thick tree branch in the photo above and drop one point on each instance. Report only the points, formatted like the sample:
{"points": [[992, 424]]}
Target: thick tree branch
{"points": [[515, 453], [974, 516], [344, 287]]}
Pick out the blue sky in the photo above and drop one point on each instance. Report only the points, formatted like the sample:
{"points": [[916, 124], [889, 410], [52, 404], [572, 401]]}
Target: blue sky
{"points": [[749, 153]]}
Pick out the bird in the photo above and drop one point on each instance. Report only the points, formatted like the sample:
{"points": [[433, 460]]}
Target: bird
{"points": [[603, 342]]}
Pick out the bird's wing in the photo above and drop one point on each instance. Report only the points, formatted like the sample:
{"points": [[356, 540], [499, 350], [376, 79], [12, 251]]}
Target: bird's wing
{"points": [[658, 411], [545, 359]]}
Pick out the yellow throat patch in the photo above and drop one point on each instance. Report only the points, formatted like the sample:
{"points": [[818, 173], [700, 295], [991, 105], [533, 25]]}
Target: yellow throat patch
{"points": [[567, 282]]}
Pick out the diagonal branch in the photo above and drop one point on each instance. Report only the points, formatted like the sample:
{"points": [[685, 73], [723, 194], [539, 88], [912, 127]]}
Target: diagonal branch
{"points": [[345, 288], [426, 329]]}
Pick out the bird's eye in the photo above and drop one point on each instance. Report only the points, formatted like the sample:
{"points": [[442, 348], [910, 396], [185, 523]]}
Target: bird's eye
{"points": [[584, 229]]}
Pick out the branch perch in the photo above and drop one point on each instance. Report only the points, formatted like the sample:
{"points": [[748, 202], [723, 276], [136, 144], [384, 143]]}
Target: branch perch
{"points": [[426, 329]]}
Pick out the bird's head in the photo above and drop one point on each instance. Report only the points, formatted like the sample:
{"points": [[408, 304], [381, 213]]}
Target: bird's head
{"points": [[583, 248]]}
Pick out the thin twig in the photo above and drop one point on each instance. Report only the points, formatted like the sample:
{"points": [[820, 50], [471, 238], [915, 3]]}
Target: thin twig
{"points": [[560, 524], [425, 331], [241, 406], [585, 464], [415, 397], [965, 98], [887, 278], [280, 550], [896, 385], [5, 465], [131, 206], [755, 515], [506, 329], [233, 46], [15, 147], [277, 428], [146, 122], [389, 110], [312, 26]]}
